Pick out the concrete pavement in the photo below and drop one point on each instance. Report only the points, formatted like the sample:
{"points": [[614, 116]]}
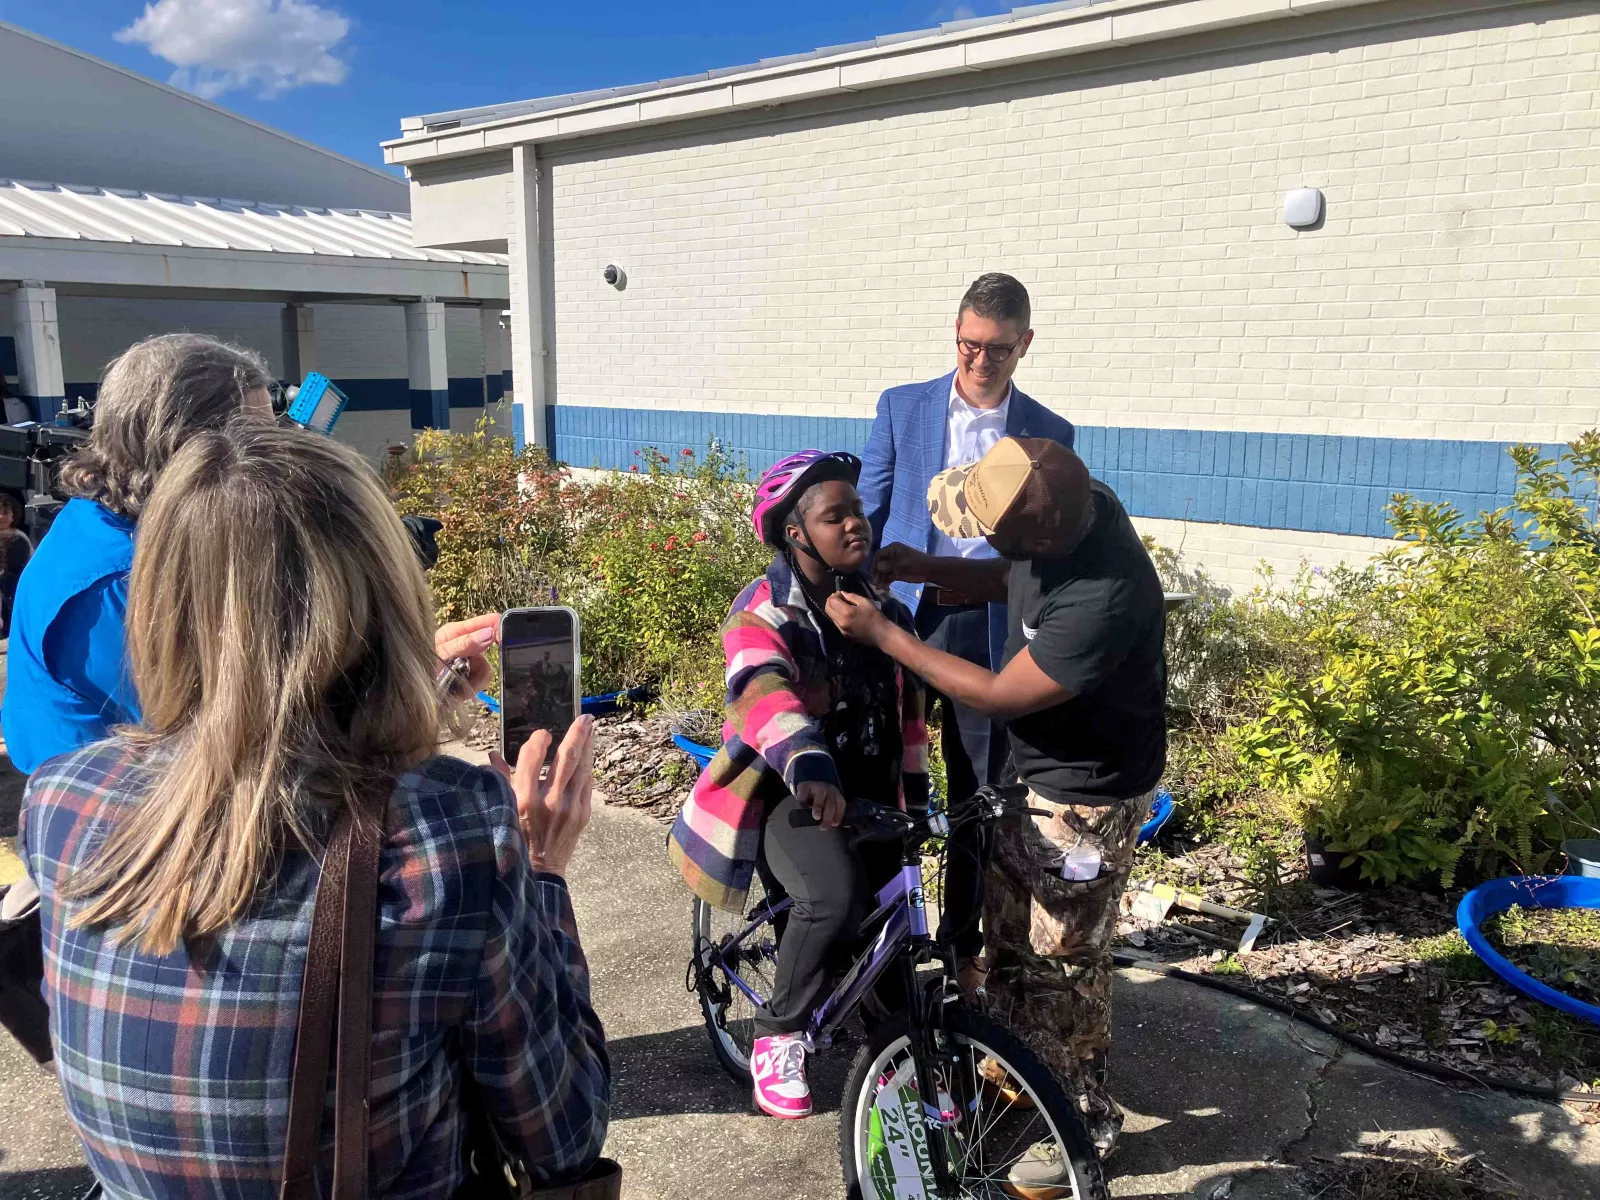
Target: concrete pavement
{"points": [[1217, 1088]]}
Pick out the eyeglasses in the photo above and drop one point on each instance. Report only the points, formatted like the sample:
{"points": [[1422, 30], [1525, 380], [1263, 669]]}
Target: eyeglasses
{"points": [[998, 352]]}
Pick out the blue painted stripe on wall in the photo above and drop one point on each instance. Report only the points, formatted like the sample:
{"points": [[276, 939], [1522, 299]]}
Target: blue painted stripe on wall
{"points": [[430, 408], [8, 356], [1313, 482], [466, 393]]}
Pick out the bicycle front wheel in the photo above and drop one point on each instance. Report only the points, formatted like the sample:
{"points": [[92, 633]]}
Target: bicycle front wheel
{"points": [[1010, 1128]]}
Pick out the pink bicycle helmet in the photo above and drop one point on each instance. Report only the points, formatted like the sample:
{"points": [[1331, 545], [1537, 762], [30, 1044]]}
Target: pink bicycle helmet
{"points": [[783, 482]]}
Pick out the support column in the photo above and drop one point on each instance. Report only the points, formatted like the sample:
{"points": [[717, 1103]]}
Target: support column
{"points": [[494, 385], [527, 300], [425, 356], [38, 336], [299, 342]]}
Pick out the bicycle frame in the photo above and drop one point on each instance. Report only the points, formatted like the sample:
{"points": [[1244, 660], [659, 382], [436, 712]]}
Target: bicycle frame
{"points": [[902, 910]]}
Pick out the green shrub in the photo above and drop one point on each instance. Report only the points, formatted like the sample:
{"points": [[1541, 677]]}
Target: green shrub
{"points": [[1454, 713], [651, 558], [656, 558], [506, 517]]}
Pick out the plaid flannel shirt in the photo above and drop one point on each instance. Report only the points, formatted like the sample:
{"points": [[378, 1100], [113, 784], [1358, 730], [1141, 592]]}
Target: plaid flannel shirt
{"points": [[176, 1069]]}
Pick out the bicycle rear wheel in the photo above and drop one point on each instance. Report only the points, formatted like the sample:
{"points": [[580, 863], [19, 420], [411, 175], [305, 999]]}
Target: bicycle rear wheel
{"points": [[1009, 1103], [728, 1010]]}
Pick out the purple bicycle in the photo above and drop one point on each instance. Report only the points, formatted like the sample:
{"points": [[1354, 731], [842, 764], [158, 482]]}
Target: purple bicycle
{"points": [[999, 1123]]}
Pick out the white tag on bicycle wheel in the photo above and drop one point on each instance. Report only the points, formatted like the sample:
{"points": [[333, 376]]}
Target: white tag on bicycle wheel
{"points": [[898, 1164]]}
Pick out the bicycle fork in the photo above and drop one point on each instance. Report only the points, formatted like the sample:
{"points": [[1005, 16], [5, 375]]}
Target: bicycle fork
{"points": [[927, 1022]]}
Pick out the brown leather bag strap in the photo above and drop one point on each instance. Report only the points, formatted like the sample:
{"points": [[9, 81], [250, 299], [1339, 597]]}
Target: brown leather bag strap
{"points": [[355, 1013], [319, 1000]]}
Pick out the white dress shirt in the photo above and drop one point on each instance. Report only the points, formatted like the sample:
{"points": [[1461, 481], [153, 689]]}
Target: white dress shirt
{"points": [[969, 434]]}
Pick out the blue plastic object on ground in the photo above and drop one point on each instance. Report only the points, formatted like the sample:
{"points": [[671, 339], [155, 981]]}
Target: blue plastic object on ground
{"points": [[702, 755], [1160, 810], [1530, 891]]}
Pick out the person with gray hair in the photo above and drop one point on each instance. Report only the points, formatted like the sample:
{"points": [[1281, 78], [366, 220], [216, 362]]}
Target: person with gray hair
{"points": [[67, 683]]}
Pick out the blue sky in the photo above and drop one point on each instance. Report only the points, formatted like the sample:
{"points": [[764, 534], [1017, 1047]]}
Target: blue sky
{"points": [[343, 72]]}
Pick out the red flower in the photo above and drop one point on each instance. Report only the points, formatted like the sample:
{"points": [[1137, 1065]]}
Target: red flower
{"points": [[688, 453], [635, 466], [636, 454], [672, 542], [701, 535], [652, 545]]}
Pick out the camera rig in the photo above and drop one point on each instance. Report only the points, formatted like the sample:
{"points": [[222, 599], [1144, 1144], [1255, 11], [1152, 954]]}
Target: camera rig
{"points": [[31, 455]]}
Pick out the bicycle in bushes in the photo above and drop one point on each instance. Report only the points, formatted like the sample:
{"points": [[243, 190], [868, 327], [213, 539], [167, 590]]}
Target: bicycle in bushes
{"points": [[994, 1100]]}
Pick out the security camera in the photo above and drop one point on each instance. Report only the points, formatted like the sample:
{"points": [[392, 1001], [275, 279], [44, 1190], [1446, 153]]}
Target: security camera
{"points": [[616, 277]]}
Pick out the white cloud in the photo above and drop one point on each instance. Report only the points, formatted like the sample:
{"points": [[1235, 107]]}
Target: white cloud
{"points": [[226, 45]]}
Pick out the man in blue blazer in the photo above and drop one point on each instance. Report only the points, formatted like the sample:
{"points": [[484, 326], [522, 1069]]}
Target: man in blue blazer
{"points": [[920, 430]]}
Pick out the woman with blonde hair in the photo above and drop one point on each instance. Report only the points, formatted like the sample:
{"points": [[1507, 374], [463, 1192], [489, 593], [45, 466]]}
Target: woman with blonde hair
{"points": [[67, 682], [282, 644]]}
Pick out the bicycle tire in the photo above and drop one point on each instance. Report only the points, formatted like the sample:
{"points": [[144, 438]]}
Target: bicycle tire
{"points": [[993, 1039], [730, 1047]]}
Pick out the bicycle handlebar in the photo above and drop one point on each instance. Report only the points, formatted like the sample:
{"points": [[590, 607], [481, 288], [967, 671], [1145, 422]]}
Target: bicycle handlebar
{"points": [[869, 821]]}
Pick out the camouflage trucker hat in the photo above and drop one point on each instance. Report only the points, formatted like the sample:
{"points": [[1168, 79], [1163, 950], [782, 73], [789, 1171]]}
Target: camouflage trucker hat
{"points": [[1022, 488]]}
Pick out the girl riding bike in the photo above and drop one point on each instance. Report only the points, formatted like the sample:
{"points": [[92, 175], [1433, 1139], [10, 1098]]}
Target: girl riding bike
{"points": [[812, 718]]}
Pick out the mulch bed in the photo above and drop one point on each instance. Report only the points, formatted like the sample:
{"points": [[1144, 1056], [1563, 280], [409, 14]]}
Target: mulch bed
{"points": [[1383, 964], [636, 764]]}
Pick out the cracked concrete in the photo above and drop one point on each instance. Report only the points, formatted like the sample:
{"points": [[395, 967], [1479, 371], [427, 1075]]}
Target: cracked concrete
{"points": [[1285, 1153], [1217, 1089]]}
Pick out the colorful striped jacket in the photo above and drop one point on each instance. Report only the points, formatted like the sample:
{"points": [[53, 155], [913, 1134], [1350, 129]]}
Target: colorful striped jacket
{"points": [[778, 687]]}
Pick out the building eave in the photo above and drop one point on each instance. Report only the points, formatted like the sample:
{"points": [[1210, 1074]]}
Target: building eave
{"points": [[967, 48]]}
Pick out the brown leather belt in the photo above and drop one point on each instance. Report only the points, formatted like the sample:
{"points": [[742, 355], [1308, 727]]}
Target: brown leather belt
{"points": [[946, 598]]}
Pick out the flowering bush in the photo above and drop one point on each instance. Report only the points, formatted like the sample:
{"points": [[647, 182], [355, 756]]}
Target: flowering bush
{"points": [[651, 558], [506, 516]]}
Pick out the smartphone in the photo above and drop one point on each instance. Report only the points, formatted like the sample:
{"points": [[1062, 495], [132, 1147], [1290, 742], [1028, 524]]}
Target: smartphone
{"points": [[539, 685]]}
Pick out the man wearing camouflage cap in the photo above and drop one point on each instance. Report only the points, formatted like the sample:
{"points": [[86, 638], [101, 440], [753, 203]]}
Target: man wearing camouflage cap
{"points": [[1083, 693]]}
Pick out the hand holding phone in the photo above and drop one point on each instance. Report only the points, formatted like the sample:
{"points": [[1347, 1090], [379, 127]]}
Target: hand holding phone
{"points": [[539, 676], [554, 807]]}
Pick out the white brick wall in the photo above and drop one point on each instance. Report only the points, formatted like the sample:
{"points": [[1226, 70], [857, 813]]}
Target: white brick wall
{"points": [[1234, 555], [1451, 294]]}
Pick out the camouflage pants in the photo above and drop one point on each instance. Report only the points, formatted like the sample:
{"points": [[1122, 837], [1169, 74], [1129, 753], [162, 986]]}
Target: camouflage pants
{"points": [[1048, 942]]}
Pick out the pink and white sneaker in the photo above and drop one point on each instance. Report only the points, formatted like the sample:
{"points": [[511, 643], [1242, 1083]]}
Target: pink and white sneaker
{"points": [[778, 1066]]}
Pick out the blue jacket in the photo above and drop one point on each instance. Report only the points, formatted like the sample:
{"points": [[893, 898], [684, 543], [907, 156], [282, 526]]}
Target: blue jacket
{"points": [[67, 679], [906, 449]]}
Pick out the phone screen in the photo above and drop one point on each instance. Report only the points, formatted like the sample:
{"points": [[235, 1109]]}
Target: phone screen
{"points": [[538, 675]]}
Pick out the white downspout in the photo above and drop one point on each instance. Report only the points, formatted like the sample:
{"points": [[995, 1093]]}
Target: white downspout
{"points": [[527, 299]]}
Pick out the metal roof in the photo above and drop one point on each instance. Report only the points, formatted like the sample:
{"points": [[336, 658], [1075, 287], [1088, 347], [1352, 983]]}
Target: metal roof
{"points": [[115, 215], [462, 117]]}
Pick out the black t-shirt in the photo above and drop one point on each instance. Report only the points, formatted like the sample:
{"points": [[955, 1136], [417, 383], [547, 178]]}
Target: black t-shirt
{"points": [[1094, 622]]}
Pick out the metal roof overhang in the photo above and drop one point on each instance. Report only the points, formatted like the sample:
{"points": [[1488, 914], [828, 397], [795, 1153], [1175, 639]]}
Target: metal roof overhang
{"points": [[957, 51], [76, 265]]}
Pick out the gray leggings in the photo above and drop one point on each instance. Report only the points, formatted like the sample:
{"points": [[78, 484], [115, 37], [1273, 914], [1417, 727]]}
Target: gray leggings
{"points": [[832, 887]]}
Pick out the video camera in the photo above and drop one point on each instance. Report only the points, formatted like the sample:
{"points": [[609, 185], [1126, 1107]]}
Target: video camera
{"points": [[31, 454]]}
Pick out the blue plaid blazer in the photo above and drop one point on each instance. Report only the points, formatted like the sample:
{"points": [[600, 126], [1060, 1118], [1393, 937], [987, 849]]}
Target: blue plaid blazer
{"points": [[906, 449]]}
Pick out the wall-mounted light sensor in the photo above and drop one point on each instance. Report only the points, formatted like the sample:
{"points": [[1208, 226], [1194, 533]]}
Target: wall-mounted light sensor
{"points": [[616, 277], [1302, 208]]}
